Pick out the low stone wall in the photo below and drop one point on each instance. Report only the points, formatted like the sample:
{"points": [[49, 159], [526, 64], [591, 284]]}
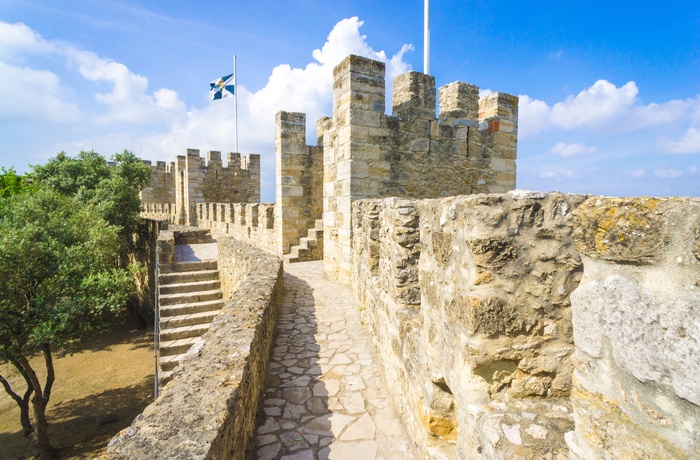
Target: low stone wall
{"points": [[250, 223], [208, 409], [468, 301], [636, 318]]}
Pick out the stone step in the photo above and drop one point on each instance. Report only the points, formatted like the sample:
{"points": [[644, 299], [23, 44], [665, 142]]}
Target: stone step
{"points": [[183, 332], [170, 322], [168, 363], [188, 266], [164, 377], [193, 286], [189, 276], [315, 233], [306, 242], [189, 297], [319, 224], [190, 308], [176, 347]]}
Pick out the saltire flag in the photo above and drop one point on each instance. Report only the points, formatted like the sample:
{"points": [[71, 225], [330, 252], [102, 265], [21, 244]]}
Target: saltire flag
{"points": [[221, 87]]}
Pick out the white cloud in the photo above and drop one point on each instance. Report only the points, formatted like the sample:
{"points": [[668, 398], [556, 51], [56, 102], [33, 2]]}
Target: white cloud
{"points": [[567, 150], [17, 39], [129, 100], [41, 94], [558, 175], [603, 106], [638, 174], [307, 90], [32, 93], [669, 173], [689, 143]]}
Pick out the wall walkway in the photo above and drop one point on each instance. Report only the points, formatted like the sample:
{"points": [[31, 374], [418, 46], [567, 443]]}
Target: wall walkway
{"points": [[325, 396]]}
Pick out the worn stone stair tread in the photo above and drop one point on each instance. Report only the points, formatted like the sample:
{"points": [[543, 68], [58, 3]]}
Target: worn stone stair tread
{"points": [[189, 297], [189, 319], [190, 307], [164, 377], [183, 332], [178, 267], [168, 363], [176, 347], [307, 242], [187, 287], [182, 277]]}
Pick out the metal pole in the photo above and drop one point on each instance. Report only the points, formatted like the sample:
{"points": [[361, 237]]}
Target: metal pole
{"points": [[156, 331], [426, 38], [235, 98]]}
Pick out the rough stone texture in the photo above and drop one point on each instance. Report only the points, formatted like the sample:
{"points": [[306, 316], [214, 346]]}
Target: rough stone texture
{"points": [[299, 188], [636, 318], [208, 410], [467, 300], [175, 188], [411, 154], [325, 397], [251, 223]]}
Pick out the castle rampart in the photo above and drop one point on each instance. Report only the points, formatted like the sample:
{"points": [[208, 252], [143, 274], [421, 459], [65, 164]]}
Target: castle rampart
{"points": [[470, 148], [510, 325], [191, 179], [482, 306]]}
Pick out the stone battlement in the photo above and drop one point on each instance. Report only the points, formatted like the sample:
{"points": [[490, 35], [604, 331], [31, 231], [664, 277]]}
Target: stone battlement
{"points": [[192, 179]]}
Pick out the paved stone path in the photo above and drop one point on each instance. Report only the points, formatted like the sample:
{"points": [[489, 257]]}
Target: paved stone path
{"points": [[325, 398]]}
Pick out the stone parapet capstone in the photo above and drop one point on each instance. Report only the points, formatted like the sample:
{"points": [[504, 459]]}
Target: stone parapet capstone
{"points": [[208, 409]]}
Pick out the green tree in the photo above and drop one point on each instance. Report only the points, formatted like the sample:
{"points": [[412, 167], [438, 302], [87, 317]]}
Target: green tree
{"points": [[113, 189], [58, 286]]}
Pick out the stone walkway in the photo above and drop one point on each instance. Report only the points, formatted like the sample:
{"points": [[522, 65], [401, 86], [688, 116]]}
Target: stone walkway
{"points": [[325, 398]]}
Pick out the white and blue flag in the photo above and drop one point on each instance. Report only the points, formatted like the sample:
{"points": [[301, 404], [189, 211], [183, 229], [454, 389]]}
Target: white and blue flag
{"points": [[221, 87]]}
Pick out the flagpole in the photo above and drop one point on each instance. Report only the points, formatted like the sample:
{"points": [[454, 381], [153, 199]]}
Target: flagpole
{"points": [[235, 100], [426, 39]]}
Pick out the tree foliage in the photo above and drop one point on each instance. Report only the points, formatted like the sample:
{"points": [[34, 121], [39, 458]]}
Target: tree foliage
{"points": [[58, 285], [112, 188], [60, 282]]}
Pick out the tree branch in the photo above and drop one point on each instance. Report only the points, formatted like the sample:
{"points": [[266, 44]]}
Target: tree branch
{"points": [[50, 374], [8, 390], [36, 384]]}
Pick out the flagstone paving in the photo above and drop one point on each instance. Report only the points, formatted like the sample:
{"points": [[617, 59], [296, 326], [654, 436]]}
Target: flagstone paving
{"points": [[325, 397]]}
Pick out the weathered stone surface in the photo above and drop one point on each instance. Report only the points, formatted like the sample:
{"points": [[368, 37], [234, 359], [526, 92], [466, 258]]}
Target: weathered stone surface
{"points": [[636, 327], [622, 230], [208, 408], [493, 319]]}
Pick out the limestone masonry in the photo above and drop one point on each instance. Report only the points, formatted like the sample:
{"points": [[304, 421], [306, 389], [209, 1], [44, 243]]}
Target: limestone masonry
{"points": [[508, 324]]}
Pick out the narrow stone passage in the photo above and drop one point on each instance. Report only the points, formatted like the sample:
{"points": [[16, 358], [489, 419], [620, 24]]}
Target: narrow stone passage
{"points": [[325, 397]]}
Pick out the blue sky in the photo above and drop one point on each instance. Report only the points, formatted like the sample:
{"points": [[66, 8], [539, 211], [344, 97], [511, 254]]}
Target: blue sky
{"points": [[609, 91]]}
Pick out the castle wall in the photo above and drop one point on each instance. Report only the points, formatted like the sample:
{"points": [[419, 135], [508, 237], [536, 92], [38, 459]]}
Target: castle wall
{"points": [[161, 188], [250, 223], [470, 148], [636, 319], [467, 299], [502, 320], [208, 409], [299, 186], [190, 180]]}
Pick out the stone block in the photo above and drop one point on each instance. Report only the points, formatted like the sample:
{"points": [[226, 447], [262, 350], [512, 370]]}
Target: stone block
{"points": [[459, 100]]}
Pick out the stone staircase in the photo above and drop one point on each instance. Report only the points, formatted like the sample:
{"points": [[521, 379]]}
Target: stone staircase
{"points": [[310, 247], [189, 297]]}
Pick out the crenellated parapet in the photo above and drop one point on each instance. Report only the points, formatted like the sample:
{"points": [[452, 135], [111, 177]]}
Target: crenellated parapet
{"points": [[468, 147], [193, 179]]}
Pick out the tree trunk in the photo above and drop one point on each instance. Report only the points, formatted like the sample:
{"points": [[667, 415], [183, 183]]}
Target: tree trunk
{"points": [[22, 402], [40, 401], [41, 429]]}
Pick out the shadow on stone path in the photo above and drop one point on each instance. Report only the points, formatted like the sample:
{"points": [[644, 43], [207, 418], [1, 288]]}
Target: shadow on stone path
{"points": [[325, 397]]}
